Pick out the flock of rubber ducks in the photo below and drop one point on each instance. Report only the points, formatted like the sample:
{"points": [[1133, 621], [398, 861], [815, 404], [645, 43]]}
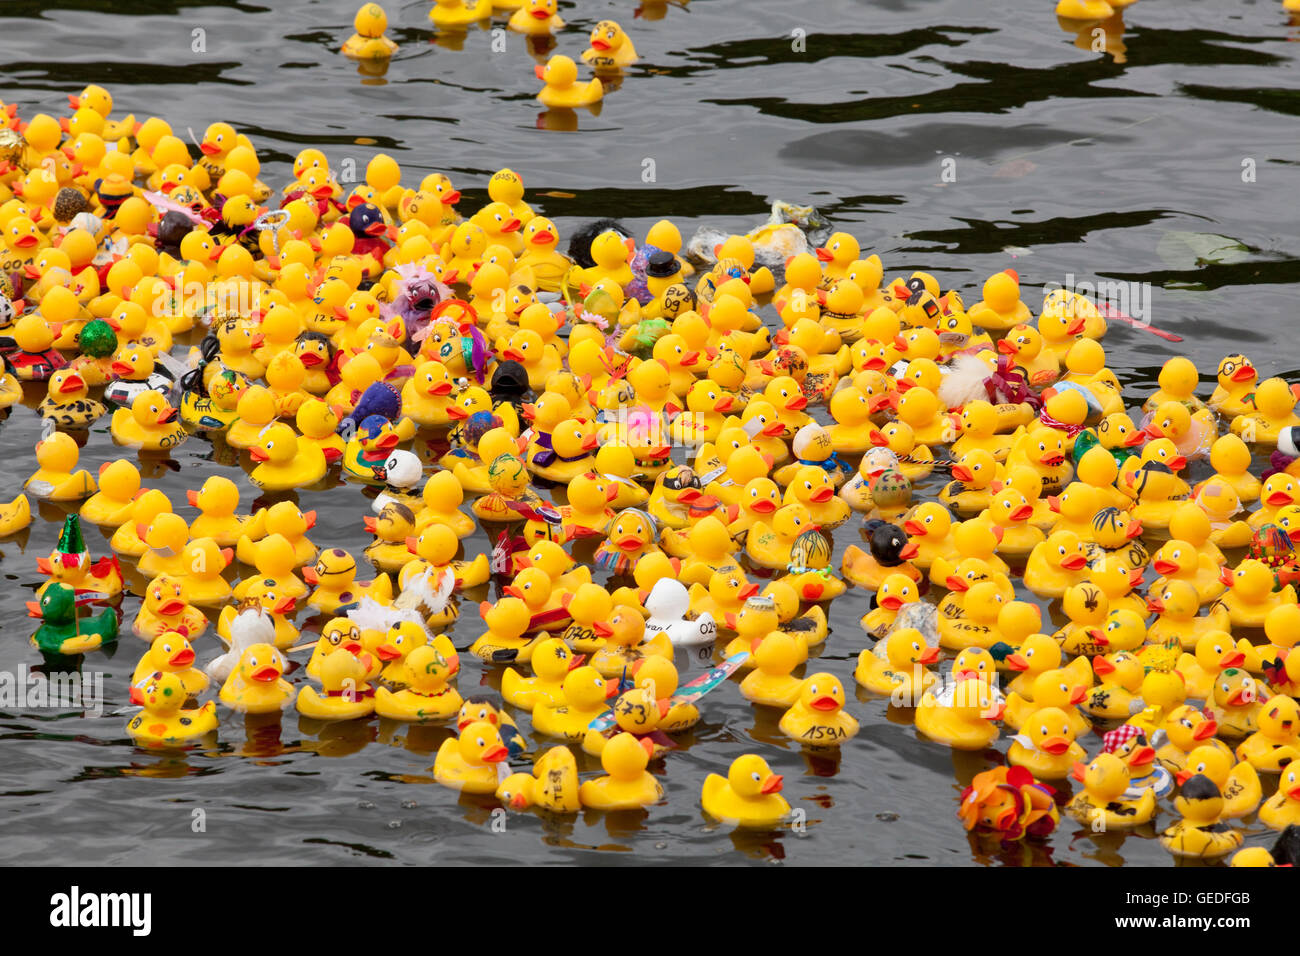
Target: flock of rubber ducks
{"points": [[610, 50], [470, 374]]}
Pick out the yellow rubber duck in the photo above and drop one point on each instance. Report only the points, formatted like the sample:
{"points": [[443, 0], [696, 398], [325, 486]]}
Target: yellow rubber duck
{"points": [[562, 91], [119, 483], [1200, 833], [902, 676], [552, 660], [275, 561], [584, 694], [162, 722], [771, 681], [165, 610], [1274, 410], [1235, 701], [553, 784], [1276, 743], [151, 424], [344, 693], [1235, 393], [817, 719], [1188, 729], [1179, 561], [428, 696], [1283, 808], [1062, 688], [369, 42], [1120, 675], [1176, 604], [56, 477], [284, 463], [626, 642], [507, 630], [257, 684], [1001, 308], [961, 714], [1046, 746], [1231, 460], [627, 785], [1250, 595], [472, 762], [749, 796], [171, 653], [1102, 801]]}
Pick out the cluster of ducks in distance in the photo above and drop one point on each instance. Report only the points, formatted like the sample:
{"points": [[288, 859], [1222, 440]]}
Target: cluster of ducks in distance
{"points": [[610, 50], [470, 374]]}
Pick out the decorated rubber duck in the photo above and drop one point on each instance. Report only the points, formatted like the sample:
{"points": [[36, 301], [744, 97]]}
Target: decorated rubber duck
{"points": [[890, 551], [1235, 393], [68, 404], [150, 424], [553, 784], [1275, 744], [62, 630], [165, 610], [172, 653], [1283, 808], [1102, 802], [817, 719], [70, 563], [632, 537], [507, 626], [277, 608], [961, 714], [1201, 832], [344, 693], [162, 722], [1120, 675], [1008, 801], [427, 696], [749, 796], [626, 642], [977, 625]]}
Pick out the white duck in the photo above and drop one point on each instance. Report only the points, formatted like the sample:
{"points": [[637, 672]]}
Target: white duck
{"points": [[668, 603], [400, 472]]}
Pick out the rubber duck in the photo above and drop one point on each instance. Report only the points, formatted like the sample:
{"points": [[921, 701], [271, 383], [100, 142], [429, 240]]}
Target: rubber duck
{"points": [[961, 714], [1001, 308], [1187, 730], [119, 483], [369, 42], [890, 552], [171, 653], [256, 684], [1283, 808], [771, 682], [902, 676], [1279, 491], [929, 526], [150, 424], [165, 610], [1239, 783], [1116, 543], [632, 536], [817, 719], [584, 694], [507, 630], [1235, 700], [1176, 603], [1046, 746], [344, 693], [1102, 801], [895, 591], [1055, 565], [56, 477], [975, 623], [1275, 744], [973, 475], [561, 89], [275, 560], [626, 642], [1009, 512], [62, 631], [1200, 833], [1231, 461], [1075, 507], [1274, 411], [67, 403], [283, 463], [749, 796], [428, 696], [1235, 393], [334, 579], [1010, 803], [162, 722], [435, 550], [1062, 688], [626, 785], [1042, 450], [553, 784], [975, 540], [1250, 595], [552, 660], [470, 763]]}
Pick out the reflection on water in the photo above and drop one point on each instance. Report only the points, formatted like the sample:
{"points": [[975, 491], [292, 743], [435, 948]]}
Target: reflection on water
{"points": [[1077, 149]]}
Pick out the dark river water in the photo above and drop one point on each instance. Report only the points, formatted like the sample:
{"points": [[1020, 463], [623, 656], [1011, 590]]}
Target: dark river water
{"points": [[958, 136]]}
